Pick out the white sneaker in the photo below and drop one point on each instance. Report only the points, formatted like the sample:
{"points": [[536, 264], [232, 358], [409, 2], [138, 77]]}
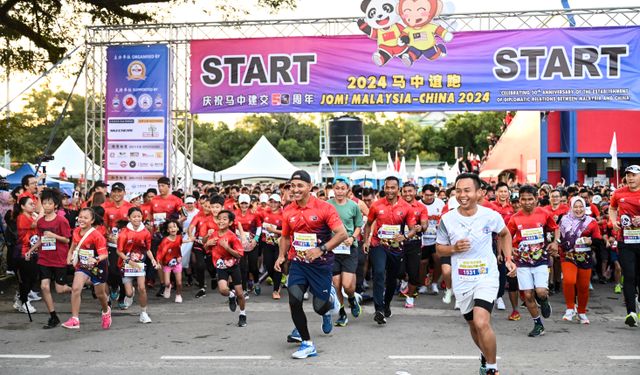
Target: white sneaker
{"points": [[434, 289], [365, 284], [128, 301], [457, 305], [306, 296], [403, 285], [23, 308], [500, 304], [448, 293], [583, 318], [569, 315], [178, 298], [423, 290], [335, 300], [33, 296], [144, 318], [167, 292]]}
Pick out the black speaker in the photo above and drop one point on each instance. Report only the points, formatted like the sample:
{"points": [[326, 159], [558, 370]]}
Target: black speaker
{"points": [[346, 136], [610, 172], [459, 152], [592, 170]]}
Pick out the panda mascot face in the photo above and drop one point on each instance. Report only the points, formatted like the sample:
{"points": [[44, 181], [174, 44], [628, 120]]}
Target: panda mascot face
{"points": [[380, 14], [625, 221], [34, 239]]}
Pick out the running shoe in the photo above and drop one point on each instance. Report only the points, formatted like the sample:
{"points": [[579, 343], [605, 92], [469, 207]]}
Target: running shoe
{"points": [[515, 316], [34, 296], [167, 292], [631, 320], [492, 371], [178, 298], [434, 290], [257, 289], [617, 289], [305, 296], [72, 323], [283, 280], [106, 319], [356, 309], [342, 321], [483, 365], [128, 301], [242, 320], [583, 319], [144, 318], [294, 336], [305, 350], [160, 291], [423, 290], [379, 317], [538, 330], [545, 306], [275, 294], [269, 280], [22, 307], [123, 305], [500, 304], [327, 323], [233, 302], [408, 303], [201, 293], [569, 315], [456, 306], [52, 323], [114, 294], [448, 293]]}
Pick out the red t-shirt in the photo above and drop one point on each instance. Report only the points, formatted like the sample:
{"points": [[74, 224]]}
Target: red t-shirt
{"points": [[528, 233], [113, 214], [627, 203], [505, 211], [420, 214], [249, 221], [593, 211], [164, 208], [271, 219], [27, 235], [34, 198], [561, 210], [53, 253], [134, 243], [317, 219], [229, 205], [168, 250], [389, 218], [146, 210], [93, 246], [220, 257]]}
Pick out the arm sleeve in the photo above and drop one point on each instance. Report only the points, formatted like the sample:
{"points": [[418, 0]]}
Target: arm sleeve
{"points": [[358, 222], [551, 224], [497, 222], [65, 229], [147, 239], [286, 231], [594, 228], [442, 235], [122, 240], [373, 213], [614, 201], [513, 228], [101, 244]]}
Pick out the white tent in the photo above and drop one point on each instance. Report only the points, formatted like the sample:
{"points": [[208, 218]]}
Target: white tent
{"points": [[5, 172], [417, 168], [324, 168], [199, 173], [70, 156], [263, 160]]}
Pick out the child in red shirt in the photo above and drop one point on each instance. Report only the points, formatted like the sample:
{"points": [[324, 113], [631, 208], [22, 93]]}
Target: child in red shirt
{"points": [[170, 257]]}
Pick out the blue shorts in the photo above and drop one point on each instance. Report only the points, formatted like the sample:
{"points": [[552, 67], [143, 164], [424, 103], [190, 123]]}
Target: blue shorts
{"points": [[316, 277], [95, 280], [613, 255]]}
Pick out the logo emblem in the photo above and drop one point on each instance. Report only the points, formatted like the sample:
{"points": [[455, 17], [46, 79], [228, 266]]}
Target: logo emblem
{"points": [[136, 71]]}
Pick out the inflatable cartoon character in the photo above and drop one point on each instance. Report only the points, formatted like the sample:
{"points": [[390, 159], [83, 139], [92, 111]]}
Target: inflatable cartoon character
{"points": [[382, 23], [420, 33]]}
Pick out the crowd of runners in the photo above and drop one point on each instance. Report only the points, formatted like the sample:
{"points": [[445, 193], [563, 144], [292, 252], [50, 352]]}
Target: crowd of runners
{"points": [[335, 245]]}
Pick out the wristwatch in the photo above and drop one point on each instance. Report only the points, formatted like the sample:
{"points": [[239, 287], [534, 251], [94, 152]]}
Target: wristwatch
{"points": [[558, 240], [324, 249]]}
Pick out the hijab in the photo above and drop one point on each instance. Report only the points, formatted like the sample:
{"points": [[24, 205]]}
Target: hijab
{"points": [[571, 226]]}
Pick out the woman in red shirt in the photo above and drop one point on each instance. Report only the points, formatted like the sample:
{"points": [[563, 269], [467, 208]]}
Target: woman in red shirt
{"points": [[170, 257], [88, 254], [26, 217], [271, 232], [577, 232], [134, 244], [252, 227]]}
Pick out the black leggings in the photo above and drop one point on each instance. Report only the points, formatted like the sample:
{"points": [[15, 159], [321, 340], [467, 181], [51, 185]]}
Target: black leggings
{"points": [[203, 261], [630, 263], [269, 255], [412, 259], [249, 265], [502, 268], [114, 277], [27, 277]]}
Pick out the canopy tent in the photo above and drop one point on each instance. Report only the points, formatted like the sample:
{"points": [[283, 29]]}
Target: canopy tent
{"points": [[70, 156], [263, 160], [5, 172], [199, 173], [432, 176], [15, 179]]}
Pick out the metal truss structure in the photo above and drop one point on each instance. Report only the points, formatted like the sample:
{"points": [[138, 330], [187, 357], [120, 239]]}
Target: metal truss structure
{"points": [[178, 37]]}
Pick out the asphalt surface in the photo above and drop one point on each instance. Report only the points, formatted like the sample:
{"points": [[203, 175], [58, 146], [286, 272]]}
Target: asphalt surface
{"points": [[429, 339]]}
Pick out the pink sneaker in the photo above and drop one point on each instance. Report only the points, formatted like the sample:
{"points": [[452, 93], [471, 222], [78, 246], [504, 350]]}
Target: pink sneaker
{"points": [[106, 319], [167, 291], [72, 323], [408, 303]]}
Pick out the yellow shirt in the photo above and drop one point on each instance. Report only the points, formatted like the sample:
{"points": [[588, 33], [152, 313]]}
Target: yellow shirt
{"points": [[423, 37], [389, 37]]}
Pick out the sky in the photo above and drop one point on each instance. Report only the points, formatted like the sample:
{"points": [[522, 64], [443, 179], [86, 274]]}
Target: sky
{"points": [[195, 11]]}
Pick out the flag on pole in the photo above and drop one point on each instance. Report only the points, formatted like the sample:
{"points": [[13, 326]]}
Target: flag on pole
{"points": [[396, 165], [403, 169], [613, 150], [389, 162]]}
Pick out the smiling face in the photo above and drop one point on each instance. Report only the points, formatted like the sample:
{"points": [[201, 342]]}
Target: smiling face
{"points": [[381, 14], [416, 13]]}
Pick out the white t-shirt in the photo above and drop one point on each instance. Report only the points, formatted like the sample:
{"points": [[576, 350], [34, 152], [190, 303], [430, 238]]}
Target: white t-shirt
{"points": [[434, 210], [479, 262]]}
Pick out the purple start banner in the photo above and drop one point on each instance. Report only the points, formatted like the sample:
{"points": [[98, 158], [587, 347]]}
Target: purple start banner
{"points": [[399, 68]]}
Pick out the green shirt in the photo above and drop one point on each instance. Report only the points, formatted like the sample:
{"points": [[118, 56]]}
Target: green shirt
{"points": [[350, 215]]}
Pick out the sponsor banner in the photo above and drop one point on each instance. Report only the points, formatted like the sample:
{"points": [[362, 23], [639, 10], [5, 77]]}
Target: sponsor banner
{"points": [[137, 109], [421, 68]]}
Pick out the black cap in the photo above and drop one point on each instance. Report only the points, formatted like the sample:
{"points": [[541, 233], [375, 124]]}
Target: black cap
{"points": [[100, 184], [118, 186], [301, 175]]}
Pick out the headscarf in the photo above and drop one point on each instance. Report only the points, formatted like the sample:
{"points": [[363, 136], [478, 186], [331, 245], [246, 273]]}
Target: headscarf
{"points": [[571, 226]]}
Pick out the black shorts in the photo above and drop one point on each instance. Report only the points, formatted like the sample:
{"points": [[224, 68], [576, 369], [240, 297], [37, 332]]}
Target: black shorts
{"points": [[57, 274], [445, 260], [233, 272], [346, 262], [428, 251]]}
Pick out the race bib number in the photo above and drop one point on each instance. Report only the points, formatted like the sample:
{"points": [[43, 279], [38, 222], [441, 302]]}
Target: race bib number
{"points": [[631, 236], [134, 271], [113, 239], [84, 255], [223, 264], [388, 232], [304, 241], [342, 249], [532, 236], [159, 218], [581, 246], [48, 243], [429, 236], [472, 269]]}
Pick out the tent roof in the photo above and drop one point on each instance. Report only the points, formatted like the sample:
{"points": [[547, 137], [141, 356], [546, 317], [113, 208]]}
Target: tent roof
{"points": [[70, 156], [263, 160], [5, 172], [15, 179], [199, 173]]}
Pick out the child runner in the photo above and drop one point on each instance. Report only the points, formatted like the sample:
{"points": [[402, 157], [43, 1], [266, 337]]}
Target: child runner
{"points": [[170, 257], [134, 244], [88, 254], [25, 216], [225, 255]]}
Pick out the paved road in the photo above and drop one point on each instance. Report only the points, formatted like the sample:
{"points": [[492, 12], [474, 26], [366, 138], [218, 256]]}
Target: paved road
{"points": [[206, 328]]}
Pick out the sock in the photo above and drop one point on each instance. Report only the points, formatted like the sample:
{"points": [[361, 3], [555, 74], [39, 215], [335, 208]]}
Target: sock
{"points": [[53, 315], [492, 366], [537, 320], [144, 309], [242, 312], [483, 360]]}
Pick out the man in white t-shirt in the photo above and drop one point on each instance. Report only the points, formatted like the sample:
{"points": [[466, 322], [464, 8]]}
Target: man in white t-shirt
{"points": [[434, 207], [465, 234]]}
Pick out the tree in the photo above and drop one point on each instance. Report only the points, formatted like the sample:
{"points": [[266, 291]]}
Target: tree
{"points": [[52, 25]]}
